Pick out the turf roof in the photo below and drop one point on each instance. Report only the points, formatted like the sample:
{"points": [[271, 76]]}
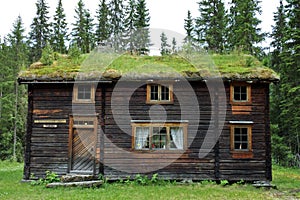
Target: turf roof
{"points": [[108, 66]]}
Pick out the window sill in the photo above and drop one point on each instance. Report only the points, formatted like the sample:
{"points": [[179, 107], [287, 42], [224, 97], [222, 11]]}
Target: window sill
{"points": [[160, 102], [162, 151], [242, 154], [241, 103], [83, 102]]}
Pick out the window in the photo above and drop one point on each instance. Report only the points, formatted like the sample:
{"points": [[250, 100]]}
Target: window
{"points": [[159, 94], [240, 93], [241, 140], [168, 136], [84, 93]]}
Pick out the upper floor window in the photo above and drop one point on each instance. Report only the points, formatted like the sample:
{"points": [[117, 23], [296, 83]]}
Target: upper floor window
{"points": [[168, 136], [240, 93], [84, 93], [159, 94]]}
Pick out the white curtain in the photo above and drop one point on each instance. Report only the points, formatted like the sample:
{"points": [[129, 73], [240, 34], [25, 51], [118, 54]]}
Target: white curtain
{"points": [[177, 135], [141, 137]]}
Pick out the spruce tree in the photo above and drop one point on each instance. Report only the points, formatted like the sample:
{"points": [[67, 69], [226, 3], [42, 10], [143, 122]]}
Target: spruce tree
{"points": [[6, 102], [89, 39], [40, 30], [212, 24], [130, 29], [60, 30], [82, 32], [290, 73], [116, 10], [102, 25], [13, 57], [189, 28], [18, 43], [142, 18], [280, 149], [174, 45], [164, 46], [244, 31], [278, 36]]}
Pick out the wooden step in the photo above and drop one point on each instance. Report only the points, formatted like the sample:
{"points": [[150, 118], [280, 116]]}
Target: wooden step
{"points": [[85, 184], [77, 178]]}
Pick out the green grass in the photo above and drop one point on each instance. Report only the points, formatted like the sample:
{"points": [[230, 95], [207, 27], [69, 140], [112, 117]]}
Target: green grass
{"points": [[109, 65], [287, 180]]}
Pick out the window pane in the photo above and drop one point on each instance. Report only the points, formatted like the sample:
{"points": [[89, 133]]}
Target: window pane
{"points": [[165, 95], [159, 138], [154, 93], [176, 138], [84, 92], [142, 138], [240, 138], [83, 122], [240, 93]]}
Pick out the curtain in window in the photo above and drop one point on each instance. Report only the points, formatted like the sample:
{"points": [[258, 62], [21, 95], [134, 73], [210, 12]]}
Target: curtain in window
{"points": [[141, 138], [177, 136]]}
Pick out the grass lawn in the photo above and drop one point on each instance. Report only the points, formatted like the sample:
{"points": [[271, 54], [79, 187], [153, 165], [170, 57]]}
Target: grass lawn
{"points": [[286, 180]]}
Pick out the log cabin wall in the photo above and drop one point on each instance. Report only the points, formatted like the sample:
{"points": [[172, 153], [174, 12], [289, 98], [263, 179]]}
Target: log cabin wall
{"points": [[259, 166], [48, 149], [50, 109], [220, 163], [188, 165]]}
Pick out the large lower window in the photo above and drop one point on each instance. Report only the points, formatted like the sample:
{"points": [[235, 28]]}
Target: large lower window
{"points": [[170, 136], [241, 140]]}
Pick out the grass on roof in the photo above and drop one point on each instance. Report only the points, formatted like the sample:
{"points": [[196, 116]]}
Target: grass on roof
{"points": [[114, 66]]}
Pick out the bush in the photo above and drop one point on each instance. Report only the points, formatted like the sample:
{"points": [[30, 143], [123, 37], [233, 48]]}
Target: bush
{"points": [[50, 177]]}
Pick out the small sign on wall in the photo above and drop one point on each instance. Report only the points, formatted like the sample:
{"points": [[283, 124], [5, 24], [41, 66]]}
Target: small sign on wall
{"points": [[50, 123]]}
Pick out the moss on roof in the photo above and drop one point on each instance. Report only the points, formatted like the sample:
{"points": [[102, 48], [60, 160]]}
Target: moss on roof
{"points": [[108, 66]]}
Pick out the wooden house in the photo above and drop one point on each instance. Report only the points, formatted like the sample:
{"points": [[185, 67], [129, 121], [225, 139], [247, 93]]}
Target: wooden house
{"points": [[192, 124]]}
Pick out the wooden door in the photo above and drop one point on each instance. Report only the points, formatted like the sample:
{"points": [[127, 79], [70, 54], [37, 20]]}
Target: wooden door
{"points": [[83, 146]]}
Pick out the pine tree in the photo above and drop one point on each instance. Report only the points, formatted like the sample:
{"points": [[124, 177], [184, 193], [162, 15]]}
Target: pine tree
{"points": [[102, 26], [89, 39], [244, 31], [278, 35], [212, 24], [60, 30], [174, 45], [285, 98], [13, 57], [6, 102], [290, 82], [142, 17], [40, 30], [130, 29], [18, 43], [82, 31], [116, 10], [189, 28], [164, 46], [280, 149]]}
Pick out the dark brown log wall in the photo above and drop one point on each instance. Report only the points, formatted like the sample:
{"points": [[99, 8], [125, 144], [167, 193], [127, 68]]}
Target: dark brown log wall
{"points": [[47, 148], [219, 163]]}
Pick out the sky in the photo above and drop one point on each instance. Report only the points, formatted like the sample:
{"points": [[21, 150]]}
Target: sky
{"points": [[165, 14]]}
